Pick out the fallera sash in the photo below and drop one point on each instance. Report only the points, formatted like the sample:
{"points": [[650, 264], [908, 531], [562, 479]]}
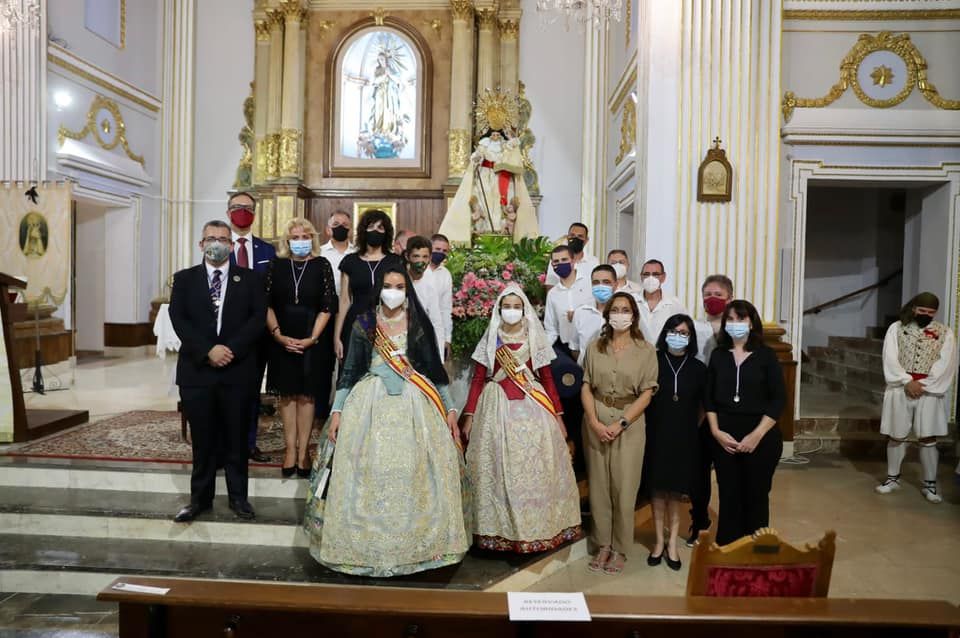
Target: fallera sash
{"points": [[515, 372]]}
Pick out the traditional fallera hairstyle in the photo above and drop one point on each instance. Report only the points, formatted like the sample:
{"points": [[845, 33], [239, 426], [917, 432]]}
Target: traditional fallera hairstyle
{"points": [[372, 217], [283, 250], [741, 309], [541, 352], [422, 349], [670, 325], [923, 300], [606, 332]]}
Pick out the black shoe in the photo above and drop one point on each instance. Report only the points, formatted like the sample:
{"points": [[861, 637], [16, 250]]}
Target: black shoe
{"points": [[189, 512], [695, 534], [258, 456], [653, 561], [243, 510], [287, 472], [675, 565], [303, 472]]}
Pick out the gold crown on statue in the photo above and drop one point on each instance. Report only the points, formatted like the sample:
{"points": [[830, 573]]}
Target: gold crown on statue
{"points": [[497, 111]]}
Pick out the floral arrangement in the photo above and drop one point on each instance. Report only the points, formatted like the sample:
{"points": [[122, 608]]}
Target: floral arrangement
{"points": [[481, 272]]}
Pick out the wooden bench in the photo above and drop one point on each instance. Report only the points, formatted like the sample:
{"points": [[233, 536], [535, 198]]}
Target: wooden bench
{"points": [[241, 609]]}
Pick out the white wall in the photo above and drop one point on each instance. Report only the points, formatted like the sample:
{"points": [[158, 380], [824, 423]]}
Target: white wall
{"points": [[551, 67], [223, 73], [928, 239], [91, 276]]}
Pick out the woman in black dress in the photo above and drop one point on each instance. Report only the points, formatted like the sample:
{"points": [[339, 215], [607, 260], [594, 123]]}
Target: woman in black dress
{"points": [[359, 273], [672, 430], [744, 398], [301, 296]]}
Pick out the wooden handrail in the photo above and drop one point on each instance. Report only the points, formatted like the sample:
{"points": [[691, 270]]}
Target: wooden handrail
{"points": [[880, 283]]}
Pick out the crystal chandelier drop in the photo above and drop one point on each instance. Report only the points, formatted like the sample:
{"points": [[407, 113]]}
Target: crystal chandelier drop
{"points": [[595, 13], [17, 13]]}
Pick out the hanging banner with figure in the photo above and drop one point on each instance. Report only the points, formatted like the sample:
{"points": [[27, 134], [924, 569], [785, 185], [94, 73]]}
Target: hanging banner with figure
{"points": [[35, 238]]}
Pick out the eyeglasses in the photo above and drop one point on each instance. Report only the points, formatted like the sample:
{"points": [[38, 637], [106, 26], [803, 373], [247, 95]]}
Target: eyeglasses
{"points": [[222, 240], [677, 333]]}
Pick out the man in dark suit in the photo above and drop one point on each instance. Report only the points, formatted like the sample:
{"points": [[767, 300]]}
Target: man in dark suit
{"points": [[219, 312], [254, 253]]}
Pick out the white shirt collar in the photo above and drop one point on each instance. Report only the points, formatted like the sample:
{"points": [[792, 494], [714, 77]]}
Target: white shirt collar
{"points": [[224, 269], [248, 237], [330, 247]]}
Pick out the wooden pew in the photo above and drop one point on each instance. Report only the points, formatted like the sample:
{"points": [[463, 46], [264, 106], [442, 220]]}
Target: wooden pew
{"points": [[243, 609]]}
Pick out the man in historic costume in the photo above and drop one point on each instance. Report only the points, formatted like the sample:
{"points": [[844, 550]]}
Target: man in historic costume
{"points": [[919, 362], [492, 196]]}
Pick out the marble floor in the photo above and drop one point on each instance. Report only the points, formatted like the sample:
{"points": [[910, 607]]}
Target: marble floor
{"points": [[895, 546]]}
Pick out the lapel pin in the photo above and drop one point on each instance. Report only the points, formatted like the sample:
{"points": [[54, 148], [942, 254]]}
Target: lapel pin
{"points": [[236, 277]]}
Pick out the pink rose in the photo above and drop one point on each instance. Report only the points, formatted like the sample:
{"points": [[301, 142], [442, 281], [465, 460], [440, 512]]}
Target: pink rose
{"points": [[506, 275], [542, 277], [510, 265]]}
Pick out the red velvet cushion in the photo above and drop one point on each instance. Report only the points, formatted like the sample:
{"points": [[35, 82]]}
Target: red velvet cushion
{"points": [[770, 581]]}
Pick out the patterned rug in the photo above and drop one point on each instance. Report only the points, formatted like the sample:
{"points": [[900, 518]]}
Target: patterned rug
{"points": [[143, 435]]}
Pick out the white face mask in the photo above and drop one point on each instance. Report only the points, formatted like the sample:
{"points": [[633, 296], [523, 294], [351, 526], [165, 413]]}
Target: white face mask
{"points": [[621, 270], [511, 316], [621, 321], [392, 297], [651, 285]]}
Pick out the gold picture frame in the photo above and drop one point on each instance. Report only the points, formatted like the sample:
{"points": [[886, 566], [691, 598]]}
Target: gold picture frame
{"points": [[715, 176], [359, 208]]}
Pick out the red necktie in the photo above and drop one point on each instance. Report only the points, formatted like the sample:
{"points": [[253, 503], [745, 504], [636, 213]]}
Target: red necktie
{"points": [[242, 260]]}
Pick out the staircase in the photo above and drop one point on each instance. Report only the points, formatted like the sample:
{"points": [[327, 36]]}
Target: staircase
{"points": [[841, 397], [71, 527]]}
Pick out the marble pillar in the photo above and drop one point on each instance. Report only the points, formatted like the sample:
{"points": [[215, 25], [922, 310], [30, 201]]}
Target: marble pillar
{"points": [[261, 95], [291, 114], [509, 52], [461, 76], [593, 195], [23, 58], [274, 100], [488, 76]]}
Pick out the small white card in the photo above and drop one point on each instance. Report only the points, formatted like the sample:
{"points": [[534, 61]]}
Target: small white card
{"points": [[548, 606], [322, 483], [141, 589]]}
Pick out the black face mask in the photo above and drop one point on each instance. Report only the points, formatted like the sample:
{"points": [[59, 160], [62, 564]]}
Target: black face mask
{"points": [[375, 238], [923, 320], [575, 244], [340, 233]]}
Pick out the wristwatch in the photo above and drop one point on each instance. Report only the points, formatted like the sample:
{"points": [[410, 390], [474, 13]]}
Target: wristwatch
{"points": [[624, 423]]}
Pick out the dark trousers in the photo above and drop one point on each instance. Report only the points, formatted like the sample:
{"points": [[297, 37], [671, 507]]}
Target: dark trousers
{"points": [[324, 386], [701, 487], [744, 480], [218, 424], [573, 421], [263, 350]]}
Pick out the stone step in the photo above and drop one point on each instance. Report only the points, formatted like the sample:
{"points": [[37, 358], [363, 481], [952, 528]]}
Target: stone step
{"points": [[859, 358], [135, 478], [121, 515], [850, 388], [860, 445], [863, 344], [838, 371], [75, 565]]}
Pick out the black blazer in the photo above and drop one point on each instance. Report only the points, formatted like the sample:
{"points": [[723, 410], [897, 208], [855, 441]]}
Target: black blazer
{"points": [[194, 319]]}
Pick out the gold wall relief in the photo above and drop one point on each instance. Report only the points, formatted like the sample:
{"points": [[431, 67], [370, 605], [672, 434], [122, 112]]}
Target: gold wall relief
{"points": [[459, 151], [262, 29], [892, 61], [509, 29], [272, 156], [871, 14], [290, 152], [108, 133], [292, 10], [486, 19], [628, 130], [628, 24], [436, 24], [379, 15], [244, 175]]}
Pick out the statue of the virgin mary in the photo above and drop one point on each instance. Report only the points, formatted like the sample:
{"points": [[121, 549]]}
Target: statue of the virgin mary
{"points": [[492, 197]]}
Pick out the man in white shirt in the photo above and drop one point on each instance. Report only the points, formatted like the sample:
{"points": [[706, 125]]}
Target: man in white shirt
{"points": [[444, 284], [588, 319], [577, 239], [418, 261], [717, 292], [655, 307], [571, 292], [338, 243], [621, 264]]}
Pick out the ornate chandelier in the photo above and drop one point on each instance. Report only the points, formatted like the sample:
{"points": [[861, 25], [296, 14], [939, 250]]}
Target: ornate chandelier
{"points": [[596, 13], [17, 13]]}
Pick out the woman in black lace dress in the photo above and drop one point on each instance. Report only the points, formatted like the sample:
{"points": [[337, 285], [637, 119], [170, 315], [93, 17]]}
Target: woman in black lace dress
{"points": [[301, 296]]}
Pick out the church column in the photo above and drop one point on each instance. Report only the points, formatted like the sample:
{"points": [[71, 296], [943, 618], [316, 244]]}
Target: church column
{"points": [[179, 46], [274, 95], [593, 196], [461, 74], [294, 64], [23, 58], [509, 50], [487, 50], [261, 96]]}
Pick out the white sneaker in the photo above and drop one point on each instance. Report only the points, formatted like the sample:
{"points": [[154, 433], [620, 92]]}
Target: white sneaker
{"points": [[890, 485], [929, 491]]}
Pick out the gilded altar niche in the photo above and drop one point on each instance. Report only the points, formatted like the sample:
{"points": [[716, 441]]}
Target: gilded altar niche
{"points": [[378, 89]]}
